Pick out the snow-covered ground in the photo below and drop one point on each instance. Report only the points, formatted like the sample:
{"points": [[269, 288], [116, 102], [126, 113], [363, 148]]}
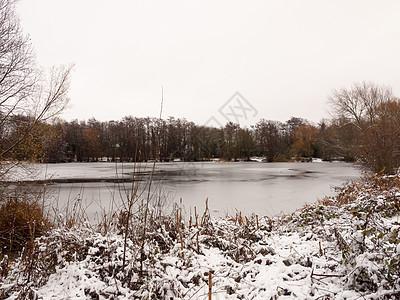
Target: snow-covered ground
{"points": [[347, 247]]}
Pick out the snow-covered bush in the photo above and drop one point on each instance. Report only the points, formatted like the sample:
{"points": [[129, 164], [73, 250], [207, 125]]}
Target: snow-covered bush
{"points": [[344, 247]]}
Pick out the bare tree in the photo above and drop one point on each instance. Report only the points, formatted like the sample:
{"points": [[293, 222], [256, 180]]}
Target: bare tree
{"points": [[374, 111], [24, 90], [269, 138], [17, 74]]}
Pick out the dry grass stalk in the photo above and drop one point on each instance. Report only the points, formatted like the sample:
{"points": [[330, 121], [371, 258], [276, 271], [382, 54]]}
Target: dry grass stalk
{"points": [[320, 249], [197, 241], [196, 217], [206, 214], [209, 285], [257, 221], [178, 226]]}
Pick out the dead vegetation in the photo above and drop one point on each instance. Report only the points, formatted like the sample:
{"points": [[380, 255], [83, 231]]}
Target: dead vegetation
{"points": [[351, 241], [22, 217]]}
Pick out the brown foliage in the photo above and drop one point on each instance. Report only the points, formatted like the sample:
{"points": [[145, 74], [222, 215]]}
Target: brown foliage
{"points": [[21, 219], [304, 140]]}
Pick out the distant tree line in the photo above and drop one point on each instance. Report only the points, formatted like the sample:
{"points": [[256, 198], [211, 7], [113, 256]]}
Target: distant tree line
{"points": [[143, 139], [365, 127]]}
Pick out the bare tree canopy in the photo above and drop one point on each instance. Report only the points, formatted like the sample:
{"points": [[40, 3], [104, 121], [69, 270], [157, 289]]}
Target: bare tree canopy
{"points": [[360, 102], [27, 96], [375, 113], [17, 74]]}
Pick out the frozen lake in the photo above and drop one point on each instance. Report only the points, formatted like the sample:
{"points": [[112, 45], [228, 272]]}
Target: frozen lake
{"points": [[249, 187]]}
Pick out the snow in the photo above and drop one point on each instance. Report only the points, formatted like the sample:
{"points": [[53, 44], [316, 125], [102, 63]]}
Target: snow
{"points": [[31, 172], [330, 251]]}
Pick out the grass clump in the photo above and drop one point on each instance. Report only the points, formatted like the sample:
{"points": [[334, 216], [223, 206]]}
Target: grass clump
{"points": [[22, 218]]}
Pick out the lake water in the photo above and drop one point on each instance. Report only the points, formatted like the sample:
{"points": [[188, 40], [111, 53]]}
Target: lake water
{"points": [[249, 187]]}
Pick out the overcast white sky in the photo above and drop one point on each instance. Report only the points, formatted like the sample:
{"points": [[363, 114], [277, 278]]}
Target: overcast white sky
{"points": [[284, 57]]}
